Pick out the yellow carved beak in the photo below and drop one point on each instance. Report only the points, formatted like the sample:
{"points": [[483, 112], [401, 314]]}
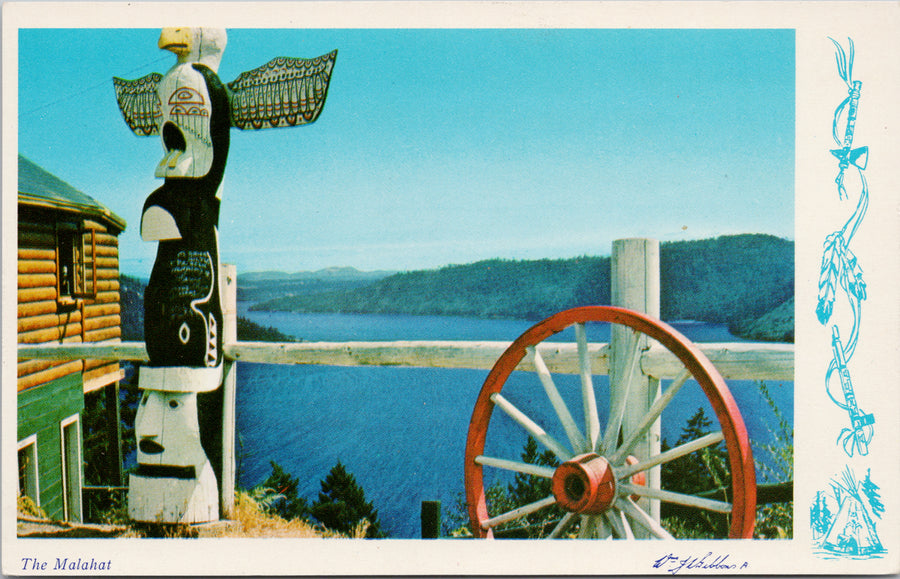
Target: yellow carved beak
{"points": [[177, 40]]}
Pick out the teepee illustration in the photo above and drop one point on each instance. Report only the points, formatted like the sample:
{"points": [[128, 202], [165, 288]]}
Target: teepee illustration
{"points": [[852, 531]]}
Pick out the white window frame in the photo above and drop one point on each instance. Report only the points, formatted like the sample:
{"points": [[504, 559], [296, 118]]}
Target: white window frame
{"points": [[65, 423], [35, 473]]}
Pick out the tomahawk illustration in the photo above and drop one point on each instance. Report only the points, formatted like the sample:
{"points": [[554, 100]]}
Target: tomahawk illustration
{"points": [[193, 112], [840, 269]]}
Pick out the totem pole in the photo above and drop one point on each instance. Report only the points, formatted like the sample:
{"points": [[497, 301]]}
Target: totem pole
{"points": [[193, 112]]}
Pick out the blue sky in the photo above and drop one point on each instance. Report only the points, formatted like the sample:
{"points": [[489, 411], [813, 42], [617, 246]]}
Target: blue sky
{"points": [[448, 146]]}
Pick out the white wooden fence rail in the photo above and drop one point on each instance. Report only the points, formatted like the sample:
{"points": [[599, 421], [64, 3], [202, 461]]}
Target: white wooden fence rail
{"points": [[734, 360]]}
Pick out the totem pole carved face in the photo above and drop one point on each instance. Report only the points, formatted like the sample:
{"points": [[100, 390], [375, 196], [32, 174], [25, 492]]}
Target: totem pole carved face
{"points": [[168, 434], [201, 45], [184, 100], [174, 481]]}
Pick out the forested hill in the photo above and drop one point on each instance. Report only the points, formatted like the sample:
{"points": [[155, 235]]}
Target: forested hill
{"points": [[733, 279], [132, 301]]}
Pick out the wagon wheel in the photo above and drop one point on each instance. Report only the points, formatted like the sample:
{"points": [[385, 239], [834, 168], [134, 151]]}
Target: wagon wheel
{"points": [[598, 482]]}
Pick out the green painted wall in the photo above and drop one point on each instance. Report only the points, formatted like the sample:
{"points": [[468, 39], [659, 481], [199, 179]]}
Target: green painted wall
{"points": [[40, 410]]}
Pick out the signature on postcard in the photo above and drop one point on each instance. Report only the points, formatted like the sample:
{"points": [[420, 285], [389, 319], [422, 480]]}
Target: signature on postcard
{"points": [[709, 562]]}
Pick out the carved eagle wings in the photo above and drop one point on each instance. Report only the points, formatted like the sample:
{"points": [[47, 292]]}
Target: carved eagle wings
{"points": [[284, 92], [139, 103]]}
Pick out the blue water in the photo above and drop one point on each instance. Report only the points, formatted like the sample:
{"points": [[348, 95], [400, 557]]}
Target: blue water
{"points": [[402, 431]]}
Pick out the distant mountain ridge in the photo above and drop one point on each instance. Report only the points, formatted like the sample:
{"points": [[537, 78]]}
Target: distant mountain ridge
{"points": [[266, 285], [735, 279], [337, 273]]}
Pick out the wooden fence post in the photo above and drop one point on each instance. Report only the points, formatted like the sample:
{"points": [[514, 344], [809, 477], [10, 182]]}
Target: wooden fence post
{"points": [[635, 285], [431, 519], [114, 475], [228, 291]]}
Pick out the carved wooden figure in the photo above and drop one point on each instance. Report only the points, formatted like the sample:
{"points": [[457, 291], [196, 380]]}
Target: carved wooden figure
{"points": [[193, 111], [174, 481]]}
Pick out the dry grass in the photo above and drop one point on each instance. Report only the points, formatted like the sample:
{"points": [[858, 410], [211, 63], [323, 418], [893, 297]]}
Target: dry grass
{"points": [[32, 522], [26, 506], [249, 521]]}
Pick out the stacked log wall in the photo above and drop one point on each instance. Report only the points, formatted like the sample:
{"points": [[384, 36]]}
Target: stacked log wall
{"points": [[44, 316]]}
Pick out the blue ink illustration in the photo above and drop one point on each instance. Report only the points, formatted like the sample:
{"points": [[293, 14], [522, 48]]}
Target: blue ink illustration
{"points": [[847, 155], [840, 268], [843, 522]]}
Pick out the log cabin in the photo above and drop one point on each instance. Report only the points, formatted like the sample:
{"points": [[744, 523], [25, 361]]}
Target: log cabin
{"points": [[68, 291]]}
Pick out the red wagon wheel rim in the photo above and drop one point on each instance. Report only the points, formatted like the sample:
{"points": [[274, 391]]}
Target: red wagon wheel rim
{"points": [[618, 507]]}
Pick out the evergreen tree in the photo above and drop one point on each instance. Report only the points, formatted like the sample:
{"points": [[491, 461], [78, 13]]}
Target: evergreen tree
{"points": [[815, 514], [819, 515], [871, 491], [342, 504], [695, 473], [288, 506], [698, 471], [528, 488]]}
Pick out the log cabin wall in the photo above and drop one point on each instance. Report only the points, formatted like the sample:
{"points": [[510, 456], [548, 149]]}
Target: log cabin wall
{"points": [[40, 413], [68, 291]]}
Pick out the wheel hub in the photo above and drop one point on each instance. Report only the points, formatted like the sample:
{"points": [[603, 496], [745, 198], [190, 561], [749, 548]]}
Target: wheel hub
{"points": [[585, 484]]}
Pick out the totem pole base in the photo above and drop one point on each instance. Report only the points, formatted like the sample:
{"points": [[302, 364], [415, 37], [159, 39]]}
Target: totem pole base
{"points": [[161, 499], [179, 378], [175, 481]]}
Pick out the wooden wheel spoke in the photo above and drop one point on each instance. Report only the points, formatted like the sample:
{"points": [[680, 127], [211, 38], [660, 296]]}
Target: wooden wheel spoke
{"points": [[639, 516], [617, 415], [674, 498], [604, 531], [669, 455], [562, 526], [518, 513], [652, 415], [619, 523], [531, 426], [629, 534], [588, 397], [576, 439], [594, 527], [516, 466], [614, 524], [588, 529]]}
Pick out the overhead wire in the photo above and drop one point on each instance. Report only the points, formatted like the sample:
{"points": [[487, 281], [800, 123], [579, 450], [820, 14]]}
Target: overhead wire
{"points": [[104, 82]]}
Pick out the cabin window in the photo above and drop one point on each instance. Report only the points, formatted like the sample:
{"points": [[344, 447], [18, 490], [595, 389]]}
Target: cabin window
{"points": [[70, 434], [28, 469], [76, 266]]}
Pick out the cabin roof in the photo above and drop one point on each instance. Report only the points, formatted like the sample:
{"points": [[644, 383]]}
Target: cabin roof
{"points": [[40, 188]]}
